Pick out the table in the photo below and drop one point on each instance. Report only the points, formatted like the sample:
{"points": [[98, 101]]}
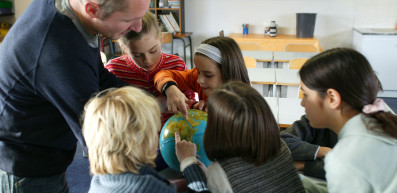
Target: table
{"points": [[262, 56], [289, 78], [278, 43], [289, 110], [287, 56], [285, 110], [262, 75], [261, 78]]}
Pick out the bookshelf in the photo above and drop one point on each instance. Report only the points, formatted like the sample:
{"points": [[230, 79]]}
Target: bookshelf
{"points": [[179, 13]]}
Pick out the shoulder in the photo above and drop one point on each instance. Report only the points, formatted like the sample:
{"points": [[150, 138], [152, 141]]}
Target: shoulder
{"points": [[172, 62], [129, 182], [217, 179]]}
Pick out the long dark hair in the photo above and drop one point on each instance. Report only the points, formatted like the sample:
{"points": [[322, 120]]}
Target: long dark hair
{"points": [[350, 73], [240, 124], [232, 65]]}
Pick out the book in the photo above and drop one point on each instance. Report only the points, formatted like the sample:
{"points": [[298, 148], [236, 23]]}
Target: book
{"points": [[151, 4], [173, 3], [173, 22], [166, 23]]}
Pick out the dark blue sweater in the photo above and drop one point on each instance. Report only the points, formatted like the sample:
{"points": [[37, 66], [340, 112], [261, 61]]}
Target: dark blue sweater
{"points": [[47, 73]]}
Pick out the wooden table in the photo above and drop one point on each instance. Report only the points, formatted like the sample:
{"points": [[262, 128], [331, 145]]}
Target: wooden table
{"points": [[278, 43]]}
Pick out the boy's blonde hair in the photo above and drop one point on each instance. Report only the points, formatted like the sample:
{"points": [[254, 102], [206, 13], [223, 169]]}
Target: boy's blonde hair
{"points": [[120, 128]]}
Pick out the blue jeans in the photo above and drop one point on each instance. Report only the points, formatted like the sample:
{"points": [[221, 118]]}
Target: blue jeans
{"points": [[13, 184]]}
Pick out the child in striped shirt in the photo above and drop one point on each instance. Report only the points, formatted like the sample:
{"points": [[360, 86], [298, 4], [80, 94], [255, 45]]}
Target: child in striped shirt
{"points": [[143, 59]]}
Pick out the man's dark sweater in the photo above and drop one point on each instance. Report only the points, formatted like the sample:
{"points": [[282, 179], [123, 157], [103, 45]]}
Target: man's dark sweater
{"points": [[47, 73]]}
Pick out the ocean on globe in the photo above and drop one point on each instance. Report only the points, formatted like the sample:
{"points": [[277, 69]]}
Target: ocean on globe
{"points": [[190, 130]]}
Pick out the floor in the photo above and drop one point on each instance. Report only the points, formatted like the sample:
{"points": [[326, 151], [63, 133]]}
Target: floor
{"points": [[79, 176]]}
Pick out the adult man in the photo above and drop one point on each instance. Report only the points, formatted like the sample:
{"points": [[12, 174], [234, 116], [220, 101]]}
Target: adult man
{"points": [[49, 67]]}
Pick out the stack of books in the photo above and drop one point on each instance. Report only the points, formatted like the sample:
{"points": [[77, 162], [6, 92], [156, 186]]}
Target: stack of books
{"points": [[169, 22], [173, 3]]}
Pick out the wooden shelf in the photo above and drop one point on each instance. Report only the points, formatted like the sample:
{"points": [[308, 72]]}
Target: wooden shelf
{"points": [[178, 12]]}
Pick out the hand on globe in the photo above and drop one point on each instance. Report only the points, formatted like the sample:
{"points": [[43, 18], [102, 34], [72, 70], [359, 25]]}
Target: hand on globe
{"points": [[183, 149], [201, 105], [176, 101]]}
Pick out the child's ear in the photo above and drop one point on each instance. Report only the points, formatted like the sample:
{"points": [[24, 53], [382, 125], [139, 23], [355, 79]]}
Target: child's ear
{"points": [[93, 10], [334, 99]]}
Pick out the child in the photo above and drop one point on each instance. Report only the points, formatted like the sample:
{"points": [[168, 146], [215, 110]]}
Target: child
{"points": [[217, 60], [309, 146], [120, 128], [242, 139], [143, 58], [340, 89]]}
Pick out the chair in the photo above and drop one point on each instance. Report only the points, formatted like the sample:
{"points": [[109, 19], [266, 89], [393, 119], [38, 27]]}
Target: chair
{"points": [[297, 63], [300, 48], [250, 62], [249, 46]]}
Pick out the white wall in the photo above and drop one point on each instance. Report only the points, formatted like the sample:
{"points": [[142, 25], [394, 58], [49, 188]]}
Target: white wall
{"points": [[334, 23]]}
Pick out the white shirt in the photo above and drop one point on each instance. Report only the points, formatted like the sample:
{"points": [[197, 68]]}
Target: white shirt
{"points": [[362, 160]]}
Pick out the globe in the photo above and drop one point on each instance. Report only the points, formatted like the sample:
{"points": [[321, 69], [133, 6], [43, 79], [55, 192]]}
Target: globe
{"points": [[190, 130]]}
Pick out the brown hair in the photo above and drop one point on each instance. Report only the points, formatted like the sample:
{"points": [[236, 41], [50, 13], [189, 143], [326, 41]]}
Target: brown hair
{"points": [[350, 73], [240, 124], [232, 65]]}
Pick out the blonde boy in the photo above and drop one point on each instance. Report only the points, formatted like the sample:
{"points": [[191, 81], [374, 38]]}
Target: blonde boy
{"points": [[120, 128]]}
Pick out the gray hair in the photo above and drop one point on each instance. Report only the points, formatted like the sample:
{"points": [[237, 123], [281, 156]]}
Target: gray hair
{"points": [[111, 6]]}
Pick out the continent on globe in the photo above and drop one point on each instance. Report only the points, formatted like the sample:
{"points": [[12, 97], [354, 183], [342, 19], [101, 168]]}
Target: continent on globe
{"points": [[190, 130]]}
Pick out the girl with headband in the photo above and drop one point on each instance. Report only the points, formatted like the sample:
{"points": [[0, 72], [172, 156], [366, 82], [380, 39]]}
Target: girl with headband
{"points": [[217, 60], [340, 90]]}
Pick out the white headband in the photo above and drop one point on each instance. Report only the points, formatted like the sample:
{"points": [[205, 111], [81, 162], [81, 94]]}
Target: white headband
{"points": [[210, 51]]}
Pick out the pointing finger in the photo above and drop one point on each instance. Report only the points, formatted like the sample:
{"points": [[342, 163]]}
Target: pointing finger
{"points": [[177, 137]]}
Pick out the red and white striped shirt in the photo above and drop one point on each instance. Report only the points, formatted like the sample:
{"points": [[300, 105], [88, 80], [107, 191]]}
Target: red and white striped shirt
{"points": [[126, 69]]}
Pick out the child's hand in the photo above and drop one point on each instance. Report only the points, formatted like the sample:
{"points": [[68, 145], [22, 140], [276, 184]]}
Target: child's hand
{"points": [[201, 105], [176, 101], [184, 149], [322, 152]]}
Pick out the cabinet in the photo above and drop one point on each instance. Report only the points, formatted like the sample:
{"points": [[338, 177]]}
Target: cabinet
{"points": [[379, 46]]}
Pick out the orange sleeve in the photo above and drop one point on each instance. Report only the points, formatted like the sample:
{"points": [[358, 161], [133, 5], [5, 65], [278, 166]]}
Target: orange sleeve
{"points": [[186, 80]]}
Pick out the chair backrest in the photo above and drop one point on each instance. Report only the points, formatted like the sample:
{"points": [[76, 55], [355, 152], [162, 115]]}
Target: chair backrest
{"points": [[300, 92], [249, 46], [297, 63], [250, 62], [300, 48]]}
